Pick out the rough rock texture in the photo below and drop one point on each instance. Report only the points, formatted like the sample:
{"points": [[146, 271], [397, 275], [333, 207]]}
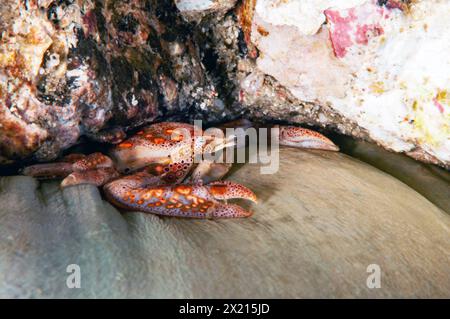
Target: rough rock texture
{"points": [[313, 234], [360, 73], [382, 67], [99, 68], [231, 58], [95, 68]]}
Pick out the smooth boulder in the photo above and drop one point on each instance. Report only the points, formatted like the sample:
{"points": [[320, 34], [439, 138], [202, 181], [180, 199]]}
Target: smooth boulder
{"points": [[321, 220]]}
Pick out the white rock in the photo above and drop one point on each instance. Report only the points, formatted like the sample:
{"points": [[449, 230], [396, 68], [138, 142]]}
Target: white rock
{"points": [[306, 15], [385, 69], [194, 5], [196, 9]]}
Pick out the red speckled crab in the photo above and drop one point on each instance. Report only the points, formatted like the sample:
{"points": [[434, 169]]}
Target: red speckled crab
{"points": [[158, 160]]}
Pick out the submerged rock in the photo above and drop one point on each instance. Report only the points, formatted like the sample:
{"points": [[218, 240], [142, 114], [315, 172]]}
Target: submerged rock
{"points": [[314, 232]]}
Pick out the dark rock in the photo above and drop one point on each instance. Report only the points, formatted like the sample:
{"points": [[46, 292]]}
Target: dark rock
{"points": [[91, 66]]}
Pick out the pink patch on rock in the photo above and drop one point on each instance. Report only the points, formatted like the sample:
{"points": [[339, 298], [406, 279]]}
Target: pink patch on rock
{"points": [[438, 105], [364, 32], [354, 26], [340, 29]]}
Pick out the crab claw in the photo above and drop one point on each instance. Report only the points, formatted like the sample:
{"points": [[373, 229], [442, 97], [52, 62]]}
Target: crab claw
{"points": [[229, 211], [305, 138], [185, 200], [224, 190]]}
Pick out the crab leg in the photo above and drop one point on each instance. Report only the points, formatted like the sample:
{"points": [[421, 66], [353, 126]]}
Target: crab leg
{"points": [[73, 157], [194, 201], [69, 164], [93, 161], [95, 168], [304, 138], [97, 177], [208, 171], [49, 171]]}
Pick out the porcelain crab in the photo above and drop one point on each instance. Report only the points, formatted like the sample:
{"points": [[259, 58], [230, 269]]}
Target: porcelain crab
{"points": [[156, 162]]}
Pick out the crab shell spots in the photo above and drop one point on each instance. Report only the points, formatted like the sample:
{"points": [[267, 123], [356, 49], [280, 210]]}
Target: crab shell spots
{"points": [[158, 140], [72, 158], [228, 189], [192, 198], [230, 211], [177, 138], [218, 190], [125, 145], [293, 131], [159, 169], [179, 174], [305, 138], [147, 196], [206, 205], [170, 177], [157, 192], [183, 189], [94, 160]]}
